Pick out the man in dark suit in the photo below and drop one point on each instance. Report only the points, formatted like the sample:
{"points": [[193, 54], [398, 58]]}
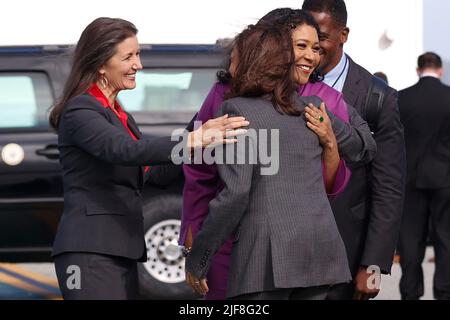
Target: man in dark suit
{"points": [[368, 212], [425, 113]]}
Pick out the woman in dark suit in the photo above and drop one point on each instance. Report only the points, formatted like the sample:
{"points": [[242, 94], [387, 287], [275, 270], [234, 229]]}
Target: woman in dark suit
{"points": [[104, 159], [287, 245]]}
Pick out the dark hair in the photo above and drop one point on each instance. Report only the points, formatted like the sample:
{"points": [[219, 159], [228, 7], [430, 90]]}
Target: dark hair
{"points": [[294, 18], [429, 60], [224, 75], [226, 46], [97, 44], [266, 65], [382, 76], [335, 8], [280, 17], [287, 17]]}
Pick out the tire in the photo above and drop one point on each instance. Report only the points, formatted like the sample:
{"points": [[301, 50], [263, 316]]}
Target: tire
{"points": [[163, 275]]}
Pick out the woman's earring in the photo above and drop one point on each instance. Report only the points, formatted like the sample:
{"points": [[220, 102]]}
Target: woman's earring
{"points": [[103, 82]]}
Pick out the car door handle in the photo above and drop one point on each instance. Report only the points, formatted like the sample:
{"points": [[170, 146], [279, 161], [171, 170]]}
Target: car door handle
{"points": [[50, 151]]}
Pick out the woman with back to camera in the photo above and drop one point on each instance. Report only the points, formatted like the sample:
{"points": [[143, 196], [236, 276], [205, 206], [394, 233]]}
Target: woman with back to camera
{"points": [[104, 161], [287, 244], [202, 181]]}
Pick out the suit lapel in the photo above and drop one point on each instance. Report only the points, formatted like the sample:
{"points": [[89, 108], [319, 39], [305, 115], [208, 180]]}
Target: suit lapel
{"points": [[137, 133], [113, 118], [352, 93], [303, 101], [133, 127]]}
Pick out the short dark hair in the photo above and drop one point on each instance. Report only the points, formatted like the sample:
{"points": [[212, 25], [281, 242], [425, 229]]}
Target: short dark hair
{"points": [[335, 8], [429, 60], [97, 44], [382, 76]]}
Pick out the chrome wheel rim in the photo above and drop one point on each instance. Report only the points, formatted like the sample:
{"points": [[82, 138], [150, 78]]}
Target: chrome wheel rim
{"points": [[165, 261]]}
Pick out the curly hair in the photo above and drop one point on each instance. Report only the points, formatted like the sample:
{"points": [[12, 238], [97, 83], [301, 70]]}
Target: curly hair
{"points": [[293, 18], [280, 17], [266, 59]]}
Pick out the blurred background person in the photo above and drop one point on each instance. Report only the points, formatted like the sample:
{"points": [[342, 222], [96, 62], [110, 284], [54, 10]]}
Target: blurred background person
{"points": [[382, 76], [425, 114]]}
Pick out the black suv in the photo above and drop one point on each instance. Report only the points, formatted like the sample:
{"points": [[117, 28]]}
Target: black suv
{"points": [[170, 89]]}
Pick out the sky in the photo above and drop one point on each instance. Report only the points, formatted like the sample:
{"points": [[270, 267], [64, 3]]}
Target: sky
{"points": [[26, 22], [162, 21]]}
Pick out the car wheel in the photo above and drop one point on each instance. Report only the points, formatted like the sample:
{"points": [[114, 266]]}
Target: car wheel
{"points": [[163, 275]]}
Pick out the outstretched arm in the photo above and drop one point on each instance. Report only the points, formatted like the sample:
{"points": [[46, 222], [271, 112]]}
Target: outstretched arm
{"points": [[201, 180], [225, 212]]}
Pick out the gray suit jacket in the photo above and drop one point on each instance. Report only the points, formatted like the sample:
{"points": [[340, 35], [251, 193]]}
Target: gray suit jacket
{"points": [[286, 232]]}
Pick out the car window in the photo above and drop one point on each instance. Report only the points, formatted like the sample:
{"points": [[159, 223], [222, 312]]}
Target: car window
{"points": [[169, 90], [24, 100]]}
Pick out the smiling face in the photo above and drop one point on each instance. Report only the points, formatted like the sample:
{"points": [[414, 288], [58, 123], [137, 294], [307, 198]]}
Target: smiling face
{"points": [[120, 70], [307, 52], [332, 40]]}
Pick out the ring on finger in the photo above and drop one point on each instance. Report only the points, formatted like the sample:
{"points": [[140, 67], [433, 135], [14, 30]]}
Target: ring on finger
{"points": [[321, 119]]}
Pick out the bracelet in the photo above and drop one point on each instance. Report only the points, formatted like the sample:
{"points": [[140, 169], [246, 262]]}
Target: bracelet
{"points": [[186, 250]]}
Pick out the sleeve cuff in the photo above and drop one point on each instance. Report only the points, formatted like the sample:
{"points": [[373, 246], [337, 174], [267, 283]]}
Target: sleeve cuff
{"points": [[342, 178]]}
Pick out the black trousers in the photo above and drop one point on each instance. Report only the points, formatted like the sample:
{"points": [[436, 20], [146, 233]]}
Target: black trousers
{"points": [[92, 276], [310, 293], [422, 206]]}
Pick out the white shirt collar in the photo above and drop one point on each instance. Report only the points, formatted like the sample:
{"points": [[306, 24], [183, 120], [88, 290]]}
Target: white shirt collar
{"points": [[336, 77], [429, 74]]}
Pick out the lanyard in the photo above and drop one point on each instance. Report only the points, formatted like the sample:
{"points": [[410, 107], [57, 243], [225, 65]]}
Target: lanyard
{"points": [[342, 72]]}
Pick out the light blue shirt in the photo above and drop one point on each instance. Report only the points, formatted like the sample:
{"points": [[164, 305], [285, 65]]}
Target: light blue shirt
{"points": [[336, 77]]}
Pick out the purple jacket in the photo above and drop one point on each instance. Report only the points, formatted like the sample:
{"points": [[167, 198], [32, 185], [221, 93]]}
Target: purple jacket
{"points": [[202, 182]]}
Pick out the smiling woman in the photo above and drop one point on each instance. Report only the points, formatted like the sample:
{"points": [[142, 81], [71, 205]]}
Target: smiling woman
{"points": [[119, 73], [307, 52], [105, 162], [242, 240]]}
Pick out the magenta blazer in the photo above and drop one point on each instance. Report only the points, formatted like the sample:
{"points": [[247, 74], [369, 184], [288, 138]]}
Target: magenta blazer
{"points": [[202, 182]]}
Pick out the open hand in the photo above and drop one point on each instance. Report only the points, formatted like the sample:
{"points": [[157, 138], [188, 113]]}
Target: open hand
{"points": [[217, 131]]}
